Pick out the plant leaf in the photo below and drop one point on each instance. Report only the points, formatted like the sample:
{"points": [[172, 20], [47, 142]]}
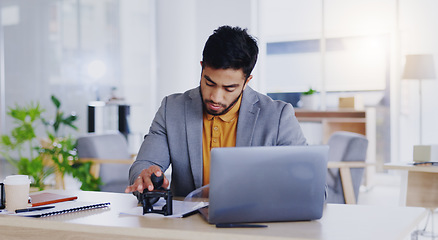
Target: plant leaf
{"points": [[56, 102]]}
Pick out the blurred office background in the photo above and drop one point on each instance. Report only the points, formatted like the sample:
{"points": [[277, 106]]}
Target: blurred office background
{"points": [[138, 51]]}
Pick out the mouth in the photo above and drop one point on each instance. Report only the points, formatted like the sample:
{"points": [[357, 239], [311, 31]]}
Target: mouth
{"points": [[214, 107]]}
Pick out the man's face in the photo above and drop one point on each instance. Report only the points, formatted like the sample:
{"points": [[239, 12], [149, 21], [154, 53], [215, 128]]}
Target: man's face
{"points": [[221, 88]]}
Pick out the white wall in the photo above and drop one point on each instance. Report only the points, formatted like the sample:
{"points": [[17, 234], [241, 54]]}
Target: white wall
{"points": [[419, 35], [138, 64], [176, 41]]}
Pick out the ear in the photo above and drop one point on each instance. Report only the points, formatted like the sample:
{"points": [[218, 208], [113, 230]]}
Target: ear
{"points": [[247, 81], [200, 63]]}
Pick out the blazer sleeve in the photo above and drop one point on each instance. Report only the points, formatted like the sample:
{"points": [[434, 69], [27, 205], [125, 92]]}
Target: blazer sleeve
{"points": [[289, 130], [154, 149]]}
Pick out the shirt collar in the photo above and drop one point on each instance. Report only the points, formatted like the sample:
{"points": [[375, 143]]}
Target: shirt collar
{"points": [[230, 115]]}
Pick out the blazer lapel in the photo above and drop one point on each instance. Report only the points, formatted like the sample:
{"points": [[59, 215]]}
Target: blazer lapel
{"points": [[193, 118], [248, 115]]}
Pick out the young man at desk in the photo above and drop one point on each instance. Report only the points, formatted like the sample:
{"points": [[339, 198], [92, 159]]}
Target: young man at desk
{"points": [[222, 112]]}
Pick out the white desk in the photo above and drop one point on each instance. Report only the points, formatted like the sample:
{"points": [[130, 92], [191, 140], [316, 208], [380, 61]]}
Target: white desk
{"points": [[419, 184], [338, 222]]}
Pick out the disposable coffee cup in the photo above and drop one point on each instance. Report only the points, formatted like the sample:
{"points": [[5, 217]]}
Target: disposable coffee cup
{"points": [[16, 192]]}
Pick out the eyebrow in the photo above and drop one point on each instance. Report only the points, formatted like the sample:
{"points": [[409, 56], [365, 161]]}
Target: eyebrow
{"points": [[225, 86]]}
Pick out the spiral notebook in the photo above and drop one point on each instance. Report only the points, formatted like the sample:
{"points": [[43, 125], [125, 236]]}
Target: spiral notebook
{"points": [[65, 207]]}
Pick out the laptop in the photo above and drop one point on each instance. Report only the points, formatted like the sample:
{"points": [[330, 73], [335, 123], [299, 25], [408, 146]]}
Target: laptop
{"points": [[266, 184]]}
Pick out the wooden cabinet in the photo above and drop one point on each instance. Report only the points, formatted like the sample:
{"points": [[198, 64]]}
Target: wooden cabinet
{"points": [[362, 122]]}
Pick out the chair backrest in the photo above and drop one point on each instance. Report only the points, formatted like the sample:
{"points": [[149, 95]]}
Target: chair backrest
{"points": [[107, 146], [345, 146]]}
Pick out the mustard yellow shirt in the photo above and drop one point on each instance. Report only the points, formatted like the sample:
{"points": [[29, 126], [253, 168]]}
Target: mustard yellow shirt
{"points": [[218, 131]]}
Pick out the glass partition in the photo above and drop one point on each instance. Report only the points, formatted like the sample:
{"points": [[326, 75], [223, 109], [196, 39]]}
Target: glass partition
{"points": [[78, 50]]}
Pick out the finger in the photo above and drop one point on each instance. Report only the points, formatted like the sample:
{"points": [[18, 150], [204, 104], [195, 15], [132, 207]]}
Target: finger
{"points": [[147, 183], [128, 189], [154, 169], [139, 184], [147, 180], [133, 187], [165, 182], [158, 173]]}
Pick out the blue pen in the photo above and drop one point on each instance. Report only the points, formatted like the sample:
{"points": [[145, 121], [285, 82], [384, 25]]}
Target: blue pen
{"points": [[33, 209], [238, 225]]}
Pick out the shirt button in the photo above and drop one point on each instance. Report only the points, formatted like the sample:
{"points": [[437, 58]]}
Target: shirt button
{"points": [[216, 128], [215, 140]]}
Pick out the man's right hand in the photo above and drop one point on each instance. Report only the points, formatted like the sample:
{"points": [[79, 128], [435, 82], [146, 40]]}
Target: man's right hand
{"points": [[143, 180]]}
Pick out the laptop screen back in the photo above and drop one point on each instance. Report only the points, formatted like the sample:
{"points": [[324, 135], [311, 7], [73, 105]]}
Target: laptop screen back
{"points": [[263, 184]]}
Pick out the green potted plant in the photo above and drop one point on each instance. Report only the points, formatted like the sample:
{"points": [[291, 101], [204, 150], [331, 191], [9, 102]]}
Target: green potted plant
{"points": [[61, 150], [309, 100], [41, 156], [309, 92], [21, 149]]}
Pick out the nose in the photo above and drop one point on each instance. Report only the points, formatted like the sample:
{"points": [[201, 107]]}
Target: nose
{"points": [[216, 95]]}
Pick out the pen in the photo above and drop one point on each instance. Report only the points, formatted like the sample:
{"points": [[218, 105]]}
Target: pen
{"points": [[190, 213], [235, 225], [425, 163], [33, 209]]}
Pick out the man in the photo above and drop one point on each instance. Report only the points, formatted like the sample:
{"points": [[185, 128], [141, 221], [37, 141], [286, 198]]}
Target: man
{"points": [[222, 112]]}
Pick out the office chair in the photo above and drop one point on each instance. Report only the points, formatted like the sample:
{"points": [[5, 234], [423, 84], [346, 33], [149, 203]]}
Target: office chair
{"points": [[347, 153], [110, 156]]}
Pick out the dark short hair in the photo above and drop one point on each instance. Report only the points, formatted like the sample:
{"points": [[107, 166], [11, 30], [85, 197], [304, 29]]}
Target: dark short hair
{"points": [[230, 47]]}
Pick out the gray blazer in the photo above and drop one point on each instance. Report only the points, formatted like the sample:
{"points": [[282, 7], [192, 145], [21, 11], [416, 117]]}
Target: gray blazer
{"points": [[175, 135]]}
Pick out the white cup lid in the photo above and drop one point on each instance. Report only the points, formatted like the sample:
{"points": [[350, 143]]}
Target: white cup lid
{"points": [[16, 180]]}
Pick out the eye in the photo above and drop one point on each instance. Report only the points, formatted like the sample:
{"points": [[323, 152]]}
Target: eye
{"points": [[209, 83], [230, 89]]}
